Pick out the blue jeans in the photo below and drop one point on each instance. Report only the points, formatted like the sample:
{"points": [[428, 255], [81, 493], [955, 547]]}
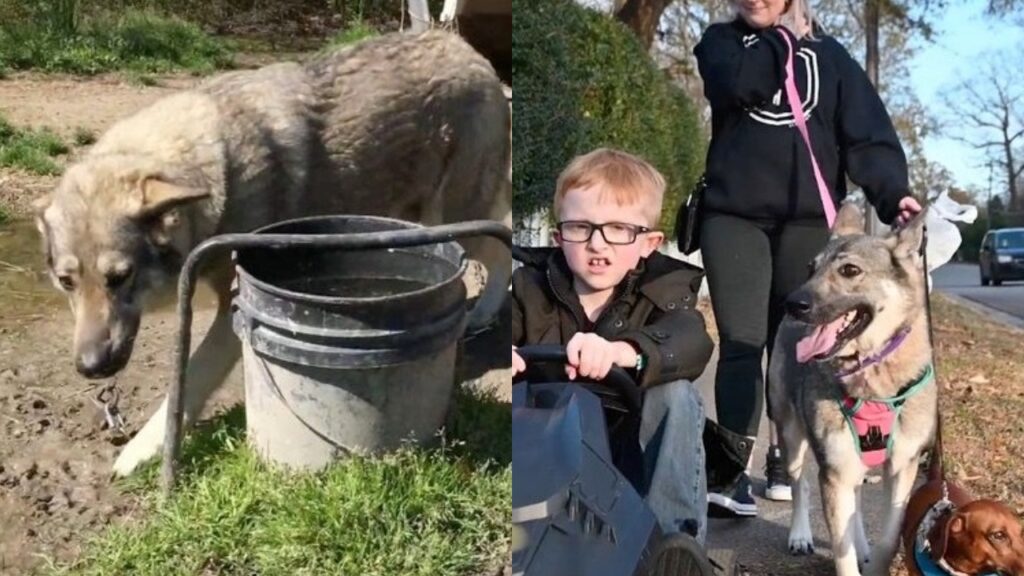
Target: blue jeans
{"points": [[671, 435]]}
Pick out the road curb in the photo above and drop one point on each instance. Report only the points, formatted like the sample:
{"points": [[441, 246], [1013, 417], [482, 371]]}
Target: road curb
{"points": [[989, 313]]}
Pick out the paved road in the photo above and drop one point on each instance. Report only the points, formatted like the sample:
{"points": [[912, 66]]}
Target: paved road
{"points": [[963, 280]]}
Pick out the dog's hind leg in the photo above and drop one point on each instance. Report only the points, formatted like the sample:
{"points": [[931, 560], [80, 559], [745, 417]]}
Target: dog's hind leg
{"points": [[801, 539], [208, 367], [897, 487], [496, 257]]}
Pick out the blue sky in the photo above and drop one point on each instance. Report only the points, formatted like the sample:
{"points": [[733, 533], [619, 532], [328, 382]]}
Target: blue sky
{"points": [[966, 37]]}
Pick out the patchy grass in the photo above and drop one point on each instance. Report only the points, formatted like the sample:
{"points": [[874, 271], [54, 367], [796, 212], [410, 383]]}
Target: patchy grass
{"points": [[355, 32], [5, 216], [131, 40], [84, 137], [980, 363], [30, 150], [136, 78], [435, 511]]}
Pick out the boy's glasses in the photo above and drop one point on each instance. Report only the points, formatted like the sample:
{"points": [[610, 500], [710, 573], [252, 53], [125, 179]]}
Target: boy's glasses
{"points": [[612, 232]]}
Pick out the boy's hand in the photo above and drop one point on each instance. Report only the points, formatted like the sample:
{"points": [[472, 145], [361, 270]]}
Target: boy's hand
{"points": [[591, 356], [518, 364]]}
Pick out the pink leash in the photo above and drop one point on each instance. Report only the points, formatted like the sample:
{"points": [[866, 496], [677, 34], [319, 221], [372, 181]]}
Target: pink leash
{"points": [[801, 124]]}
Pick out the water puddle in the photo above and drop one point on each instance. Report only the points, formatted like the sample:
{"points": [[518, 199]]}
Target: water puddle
{"points": [[25, 290]]}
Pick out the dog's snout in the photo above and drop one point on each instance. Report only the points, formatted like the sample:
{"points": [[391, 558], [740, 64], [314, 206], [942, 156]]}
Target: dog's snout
{"points": [[95, 361], [798, 305]]}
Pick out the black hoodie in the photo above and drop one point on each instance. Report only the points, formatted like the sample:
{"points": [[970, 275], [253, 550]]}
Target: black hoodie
{"points": [[757, 165]]}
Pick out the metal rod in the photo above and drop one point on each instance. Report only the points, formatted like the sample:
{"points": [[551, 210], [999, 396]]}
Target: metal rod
{"points": [[217, 244]]}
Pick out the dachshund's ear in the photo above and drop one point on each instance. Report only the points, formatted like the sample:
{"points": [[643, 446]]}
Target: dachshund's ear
{"points": [[958, 524]]}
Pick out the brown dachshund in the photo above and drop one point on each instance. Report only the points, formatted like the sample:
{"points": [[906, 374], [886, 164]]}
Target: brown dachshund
{"points": [[975, 537]]}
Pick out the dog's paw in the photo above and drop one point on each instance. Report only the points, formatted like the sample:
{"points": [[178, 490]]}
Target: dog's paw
{"points": [[801, 546], [135, 453]]}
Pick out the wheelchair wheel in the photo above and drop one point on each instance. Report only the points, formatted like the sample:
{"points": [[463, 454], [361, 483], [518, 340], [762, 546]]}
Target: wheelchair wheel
{"points": [[680, 555]]}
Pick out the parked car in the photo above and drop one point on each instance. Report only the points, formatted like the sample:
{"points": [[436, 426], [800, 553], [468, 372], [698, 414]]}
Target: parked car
{"points": [[1002, 256]]}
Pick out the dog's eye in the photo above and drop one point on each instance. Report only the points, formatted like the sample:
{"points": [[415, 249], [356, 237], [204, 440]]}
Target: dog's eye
{"points": [[998, 537], [117, 279], [66, 282], [849, 270]]}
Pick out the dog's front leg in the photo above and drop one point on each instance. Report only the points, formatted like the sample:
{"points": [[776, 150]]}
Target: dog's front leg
{"points": [[801, 538], [897, 487], [861, 537], [839, 499], [207, 369]]}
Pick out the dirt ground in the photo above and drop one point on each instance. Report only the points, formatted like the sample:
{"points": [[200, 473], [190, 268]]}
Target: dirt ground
{"points": [[55, 460]]}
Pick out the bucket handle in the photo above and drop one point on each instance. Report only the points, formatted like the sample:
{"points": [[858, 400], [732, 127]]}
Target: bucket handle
{"points": [[218, 244]]}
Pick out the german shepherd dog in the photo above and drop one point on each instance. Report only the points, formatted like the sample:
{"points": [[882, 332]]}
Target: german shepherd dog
{"points": [[415, 128], [852, 379]]}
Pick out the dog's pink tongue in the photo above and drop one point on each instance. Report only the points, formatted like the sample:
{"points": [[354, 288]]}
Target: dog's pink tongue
{"points": [[818, 342]]}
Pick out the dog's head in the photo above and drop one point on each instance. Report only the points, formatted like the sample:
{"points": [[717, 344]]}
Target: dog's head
{"points": [[984, 537], [862, 290], [111, 233]]}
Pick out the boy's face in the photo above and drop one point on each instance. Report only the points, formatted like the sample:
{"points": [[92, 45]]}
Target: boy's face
{"points": [[596, 264]]}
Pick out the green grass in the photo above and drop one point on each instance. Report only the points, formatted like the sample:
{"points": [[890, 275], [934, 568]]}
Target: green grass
{"points": [[356, 32], [84, 136], [438, 511], [136, 40], [5, 216], [30, 150]]}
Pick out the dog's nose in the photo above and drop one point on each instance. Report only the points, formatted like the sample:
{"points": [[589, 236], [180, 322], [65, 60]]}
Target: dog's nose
{"points": [[798, 305], [94, 361]]}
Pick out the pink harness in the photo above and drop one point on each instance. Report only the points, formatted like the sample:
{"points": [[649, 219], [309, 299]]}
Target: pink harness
{"points": [[873, 422]]}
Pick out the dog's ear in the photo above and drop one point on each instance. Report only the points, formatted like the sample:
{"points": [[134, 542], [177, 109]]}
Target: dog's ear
{"points": [[158, 193], [849, 220], [39, 206], [957, 524], [908, 239]]}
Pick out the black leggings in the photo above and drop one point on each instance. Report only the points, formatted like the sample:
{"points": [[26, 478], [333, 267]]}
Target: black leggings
{"points": [[751, 268]]}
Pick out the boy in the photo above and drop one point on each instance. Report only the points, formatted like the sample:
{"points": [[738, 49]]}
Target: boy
{"points": [[611, 299]]}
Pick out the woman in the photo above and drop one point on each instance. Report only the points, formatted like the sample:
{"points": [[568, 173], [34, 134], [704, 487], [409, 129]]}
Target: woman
{"points": [[763, 217]]}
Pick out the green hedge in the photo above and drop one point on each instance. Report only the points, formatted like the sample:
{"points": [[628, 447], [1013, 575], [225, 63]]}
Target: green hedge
{"points": [[582, 80]]}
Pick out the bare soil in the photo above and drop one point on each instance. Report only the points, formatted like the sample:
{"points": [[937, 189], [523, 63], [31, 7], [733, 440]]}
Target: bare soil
{"points": [[55, 458]]}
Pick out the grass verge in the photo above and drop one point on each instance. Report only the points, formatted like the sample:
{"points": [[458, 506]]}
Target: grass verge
{"points": [[432, 512], [30, 150], [980, 363], [135, 40], [354, 32]]}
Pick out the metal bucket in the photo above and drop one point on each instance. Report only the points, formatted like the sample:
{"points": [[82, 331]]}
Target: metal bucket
{"points": [[346, 351]]}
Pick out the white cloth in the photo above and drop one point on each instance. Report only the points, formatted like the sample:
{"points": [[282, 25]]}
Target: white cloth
{"points": [[943, 236]]}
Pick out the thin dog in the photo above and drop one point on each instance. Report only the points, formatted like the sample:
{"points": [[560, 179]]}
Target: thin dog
{"points": [[414, 128]]}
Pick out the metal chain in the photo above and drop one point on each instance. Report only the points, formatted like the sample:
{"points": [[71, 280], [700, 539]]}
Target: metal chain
{"points": [[106, 401]]}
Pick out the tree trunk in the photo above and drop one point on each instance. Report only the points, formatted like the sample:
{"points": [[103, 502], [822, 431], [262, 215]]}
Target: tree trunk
{"points": [[642, 17], [872, 17], [1011, 170]]}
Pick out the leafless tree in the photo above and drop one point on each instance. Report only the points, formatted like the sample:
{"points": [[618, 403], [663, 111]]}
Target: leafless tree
{"points": [[990, 105]]}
